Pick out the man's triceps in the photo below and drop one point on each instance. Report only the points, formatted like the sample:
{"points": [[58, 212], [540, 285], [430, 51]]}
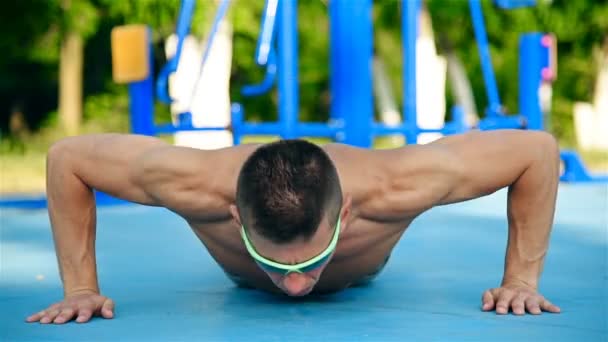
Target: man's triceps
{"points": [[488, 161]]}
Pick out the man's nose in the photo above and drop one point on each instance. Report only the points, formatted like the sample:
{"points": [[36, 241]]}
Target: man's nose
{"points": [[296, 283]]}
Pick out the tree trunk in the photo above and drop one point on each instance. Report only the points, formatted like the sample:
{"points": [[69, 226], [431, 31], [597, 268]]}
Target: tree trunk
{"points": [[70, 82]]}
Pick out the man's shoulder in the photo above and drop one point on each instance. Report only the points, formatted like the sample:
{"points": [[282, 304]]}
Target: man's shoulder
{"points": [[347, 153], [340, 150]]}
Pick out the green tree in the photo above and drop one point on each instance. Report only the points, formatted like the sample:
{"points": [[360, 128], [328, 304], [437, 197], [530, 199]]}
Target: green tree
{"points": [[29, 55], [78, 21], [578, 26]]}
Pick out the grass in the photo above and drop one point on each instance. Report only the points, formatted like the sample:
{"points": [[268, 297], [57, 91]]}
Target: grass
{"points": [[596, 160], [22, 165], [22, 174]]}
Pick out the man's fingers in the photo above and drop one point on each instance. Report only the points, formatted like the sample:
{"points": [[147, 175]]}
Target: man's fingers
{"points": [[532, 306], [56, 306], [107, 310], [49, 316], [84, 315], [517, 305], [36, 317], [80, 308], [548, 306], [517, 299], [487, 301], [65, 315], [504, 300]]}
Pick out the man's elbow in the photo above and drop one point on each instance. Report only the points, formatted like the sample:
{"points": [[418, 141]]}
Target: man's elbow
{"points": [[58, 153], [547, 148]]}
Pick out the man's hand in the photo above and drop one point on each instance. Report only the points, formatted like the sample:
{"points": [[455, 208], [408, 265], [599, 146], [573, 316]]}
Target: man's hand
{"points": [[518, 298], [82, 306]]}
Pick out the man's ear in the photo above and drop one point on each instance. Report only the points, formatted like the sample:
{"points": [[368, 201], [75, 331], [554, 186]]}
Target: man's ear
{"points": [[345, 212], [234, 211]]}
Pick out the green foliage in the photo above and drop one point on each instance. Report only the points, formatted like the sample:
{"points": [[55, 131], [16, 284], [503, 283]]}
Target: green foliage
{"points": [[81, 16], [108, 109], [27, 34], [245, 17], [313, 33], [161, 15], [578, 25]]}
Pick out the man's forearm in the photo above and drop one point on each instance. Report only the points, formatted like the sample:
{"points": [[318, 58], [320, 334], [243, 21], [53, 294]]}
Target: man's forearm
{"points": [[71, 206], [531, 207]]}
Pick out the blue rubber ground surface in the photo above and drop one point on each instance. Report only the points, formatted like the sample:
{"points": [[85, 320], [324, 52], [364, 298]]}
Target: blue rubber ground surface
{"points": [[167, 288]]}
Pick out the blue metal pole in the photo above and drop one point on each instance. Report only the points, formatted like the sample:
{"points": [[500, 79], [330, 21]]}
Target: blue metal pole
{"points": [[265, 52], [354, 84], [337, 36], [266, 33], [495, 108], [141, 99], [183, 26], [221, 12], [237, 120], [268, 81], [141, 105], [531, 64], [288, 67], [409, 28]]}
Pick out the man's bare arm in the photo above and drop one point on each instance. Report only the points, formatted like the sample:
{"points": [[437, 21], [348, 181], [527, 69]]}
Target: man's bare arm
{"points": [[528, 163], [76, 166], [475, 164], [196, 184]]}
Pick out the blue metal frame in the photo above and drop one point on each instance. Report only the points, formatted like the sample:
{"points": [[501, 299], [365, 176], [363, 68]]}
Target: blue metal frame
{"points": [[575, 170], [265, 51], [268, 81], [351, 48], [511, 4], [287, 125], [182, 29], [40, 202], [351, 115], [495, 107], [409, 33], [351, 119], [265, 46], [221, 12], [337, 114], [534, 57], [142, 93], [289, 97]]}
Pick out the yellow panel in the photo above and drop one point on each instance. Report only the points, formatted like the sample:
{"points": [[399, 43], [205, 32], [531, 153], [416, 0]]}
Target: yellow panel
{"points": [[130, 58]]}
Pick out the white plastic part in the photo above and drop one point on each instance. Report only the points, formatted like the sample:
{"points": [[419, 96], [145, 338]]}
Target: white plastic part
{"points": [[591, 120], [209, 102], [431, 72]]}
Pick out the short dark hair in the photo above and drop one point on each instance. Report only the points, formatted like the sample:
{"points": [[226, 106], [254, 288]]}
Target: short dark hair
{"points": [[285, 188]]}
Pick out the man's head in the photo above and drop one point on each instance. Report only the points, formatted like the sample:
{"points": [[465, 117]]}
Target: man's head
{"points": [[289, 200]]}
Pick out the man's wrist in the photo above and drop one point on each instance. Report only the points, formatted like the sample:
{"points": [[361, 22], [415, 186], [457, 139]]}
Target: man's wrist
{"points": [[80, 290], [509, 280]]}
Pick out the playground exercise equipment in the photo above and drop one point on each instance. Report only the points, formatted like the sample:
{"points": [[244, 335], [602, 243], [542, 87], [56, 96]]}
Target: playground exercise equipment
{"points": [[265, 54], [351, 110]]}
